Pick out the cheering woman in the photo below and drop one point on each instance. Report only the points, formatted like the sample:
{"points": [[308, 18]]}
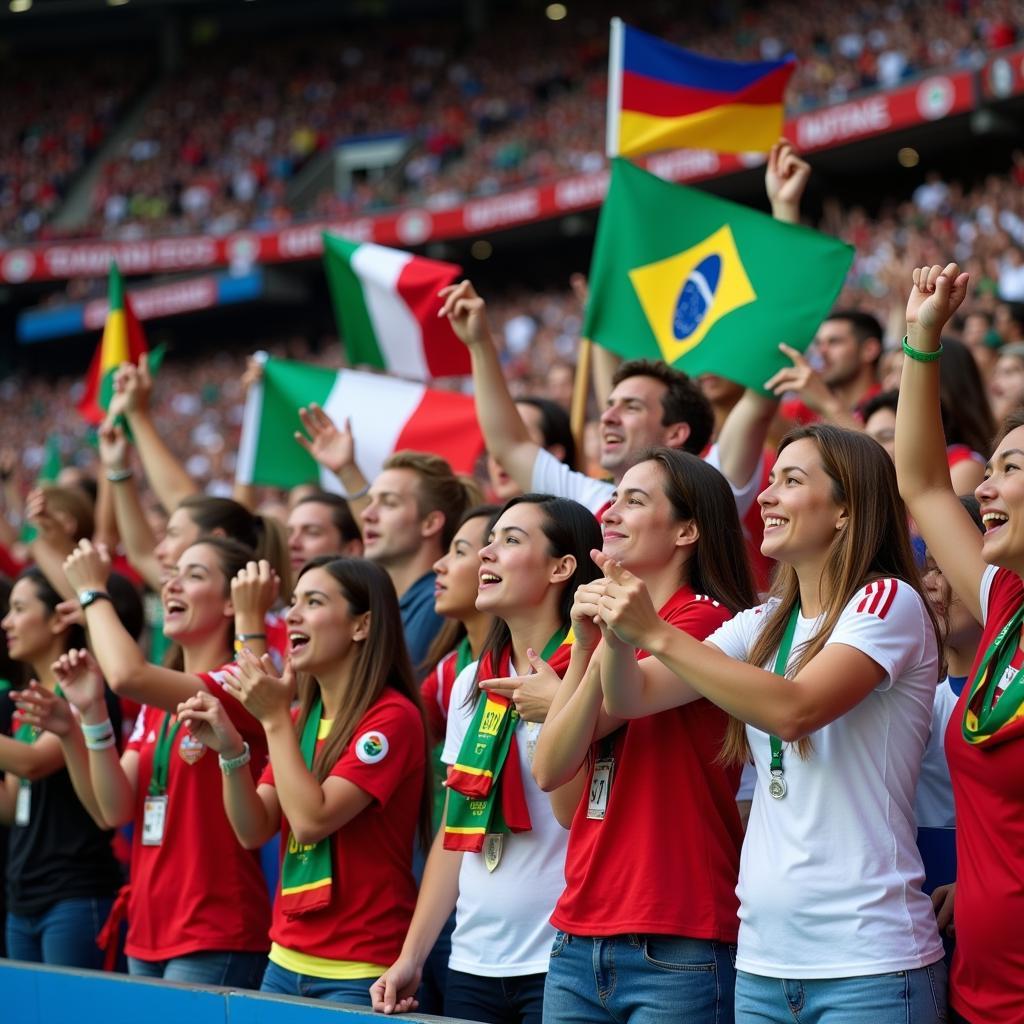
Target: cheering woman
{"points": [[834, 677], [985, 735]]}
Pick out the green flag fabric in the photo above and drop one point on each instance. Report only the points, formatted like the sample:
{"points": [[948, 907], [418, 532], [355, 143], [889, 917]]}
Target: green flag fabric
{"points": [[706, 285]]}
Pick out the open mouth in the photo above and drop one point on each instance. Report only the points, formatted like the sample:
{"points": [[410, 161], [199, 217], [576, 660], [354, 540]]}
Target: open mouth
{"points": [[297, 641], [173, 607], [773, 522], [488, 579], [993, 520]]}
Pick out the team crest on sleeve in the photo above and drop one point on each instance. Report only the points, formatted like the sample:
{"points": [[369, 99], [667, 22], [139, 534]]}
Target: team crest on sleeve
{"points": [[372, 747]]}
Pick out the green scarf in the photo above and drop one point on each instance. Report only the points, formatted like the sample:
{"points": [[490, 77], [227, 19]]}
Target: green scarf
{"points": [[306, 874], [987, 720]]}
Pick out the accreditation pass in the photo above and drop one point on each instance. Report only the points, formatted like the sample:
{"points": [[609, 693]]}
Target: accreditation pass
{"points": [[600, 786]]}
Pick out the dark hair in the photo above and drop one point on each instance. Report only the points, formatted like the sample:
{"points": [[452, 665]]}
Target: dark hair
{"points": [[341, 515], [235, 521], [864, 325], [966, 415], [127, 602], [453, 631], [883, 400], [875, 544], [47, 593], [440, 490], [382, 661], [570, 529], [718, 566], [554, 425], [973, 506], [683, 401], [9, 668]]}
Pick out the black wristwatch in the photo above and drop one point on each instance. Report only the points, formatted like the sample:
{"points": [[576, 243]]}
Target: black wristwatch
{"points": [[88, 597]]}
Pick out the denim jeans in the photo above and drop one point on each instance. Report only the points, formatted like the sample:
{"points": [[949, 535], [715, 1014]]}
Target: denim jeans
{"points": [[225, 967], [280, 981], [642, 979], [903, 997], [516, 1000], [64, 935]]}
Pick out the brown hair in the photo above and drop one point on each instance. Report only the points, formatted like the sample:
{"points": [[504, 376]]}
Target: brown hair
{"points": [[73, 502], [440, 490], [718, 566], [875, 544], [1009, 424], [340, 513], [683, 401], [382, 661]]}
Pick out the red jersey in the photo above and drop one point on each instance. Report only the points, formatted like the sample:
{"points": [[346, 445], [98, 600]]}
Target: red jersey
{"points": [[987, 979], [665, 858], [373, 893], [436, 691], [753, 532], [198, 890]]}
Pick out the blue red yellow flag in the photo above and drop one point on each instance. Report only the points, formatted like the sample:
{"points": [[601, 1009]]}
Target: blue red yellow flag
{"points": [[663, 97]]}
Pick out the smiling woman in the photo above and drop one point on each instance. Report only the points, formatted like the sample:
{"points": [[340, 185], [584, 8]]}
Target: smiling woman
{"points": [[985, 736]]}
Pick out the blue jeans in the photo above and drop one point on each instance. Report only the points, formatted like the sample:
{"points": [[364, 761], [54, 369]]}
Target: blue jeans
{"points": [[64, 935], [282, 982], [903, 997], [642, 979], [516, 1000], [230, 969]]}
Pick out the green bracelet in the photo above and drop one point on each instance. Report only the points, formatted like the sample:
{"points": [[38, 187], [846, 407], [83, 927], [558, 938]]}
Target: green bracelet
{"points": [[918, 354]]}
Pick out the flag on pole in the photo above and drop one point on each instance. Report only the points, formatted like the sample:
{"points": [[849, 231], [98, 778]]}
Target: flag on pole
{"points": [[706, 285], [663, 97], [386, 304], [122, 342], [387, 415]]}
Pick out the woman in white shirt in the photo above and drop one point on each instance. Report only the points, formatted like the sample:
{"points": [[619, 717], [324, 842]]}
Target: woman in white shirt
{"points": [[499, 859], [834, 677]]}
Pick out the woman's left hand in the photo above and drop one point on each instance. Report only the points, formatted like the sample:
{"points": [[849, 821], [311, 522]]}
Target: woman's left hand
{"points": [[626, 606], [254, 590], [264, 694], [206, 720], [88, 566], [531, 695]]}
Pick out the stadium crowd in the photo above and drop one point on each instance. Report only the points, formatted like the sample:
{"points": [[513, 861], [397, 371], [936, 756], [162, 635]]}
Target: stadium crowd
{"points": [[709, 720], [220, 141]]}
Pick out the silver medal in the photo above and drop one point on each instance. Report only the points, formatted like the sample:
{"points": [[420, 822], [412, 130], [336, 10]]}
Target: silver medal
{"points": [[492, 850], [777, 787]]}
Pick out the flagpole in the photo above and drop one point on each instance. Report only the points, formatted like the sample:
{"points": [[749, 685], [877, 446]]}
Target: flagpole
{"points": [[580, 393], [614, 88]]}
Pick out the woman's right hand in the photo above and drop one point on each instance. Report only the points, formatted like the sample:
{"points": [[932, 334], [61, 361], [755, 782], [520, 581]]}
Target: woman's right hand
{"points": [[88, 566], [80, 679], [205, 718], [466, 312], [943, 899], [395, 990], [113, 445], [43, 710], [935, 297], [585, 615]]}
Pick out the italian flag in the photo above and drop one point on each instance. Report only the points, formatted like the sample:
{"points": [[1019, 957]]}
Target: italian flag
{"points": [[386, 304], [387, 415], [122, 342]]}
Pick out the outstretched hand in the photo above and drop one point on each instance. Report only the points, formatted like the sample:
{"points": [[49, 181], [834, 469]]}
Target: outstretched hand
{"points": [[936, 295], [332, 446], [43, 710], [802, 378], [80, 679], [466, 312], [530, 694], [785, 178], [625, 606]]}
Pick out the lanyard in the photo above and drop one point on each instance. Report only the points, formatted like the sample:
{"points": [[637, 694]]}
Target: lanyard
{"points": [[162, 755], [777, 787]]}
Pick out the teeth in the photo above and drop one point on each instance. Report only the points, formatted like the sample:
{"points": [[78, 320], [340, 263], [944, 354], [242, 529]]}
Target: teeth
{"points": [[774, 521], [488, 577], [298, 638], [994, 517]]}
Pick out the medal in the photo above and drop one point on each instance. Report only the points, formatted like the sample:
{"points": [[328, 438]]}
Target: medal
{"points": [[777, 787], [190, 749], [493, 845]]}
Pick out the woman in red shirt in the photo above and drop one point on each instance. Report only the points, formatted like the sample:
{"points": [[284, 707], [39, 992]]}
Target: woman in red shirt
{"points": [[648, 886], [347, 785], [198, 908], [985, 736]]}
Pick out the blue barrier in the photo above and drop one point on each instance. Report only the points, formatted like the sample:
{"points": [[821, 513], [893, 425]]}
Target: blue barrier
{"points": [[35, 994]]}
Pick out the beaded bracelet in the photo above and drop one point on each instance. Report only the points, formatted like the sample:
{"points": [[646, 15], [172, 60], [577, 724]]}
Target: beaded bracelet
{"points": [[919, 354]]}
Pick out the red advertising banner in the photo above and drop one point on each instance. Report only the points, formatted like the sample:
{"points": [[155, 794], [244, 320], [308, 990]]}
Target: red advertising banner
{"points": [[929, 99]]}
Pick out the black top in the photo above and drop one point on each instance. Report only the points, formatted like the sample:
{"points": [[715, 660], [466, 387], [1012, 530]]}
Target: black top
{"points": [[61, 853]]}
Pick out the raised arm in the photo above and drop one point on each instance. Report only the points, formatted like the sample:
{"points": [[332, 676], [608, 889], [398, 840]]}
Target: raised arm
{"points": [[52, 543], [130, 518], [504, 431], [165, 473], [921, 465], [334, 448]]}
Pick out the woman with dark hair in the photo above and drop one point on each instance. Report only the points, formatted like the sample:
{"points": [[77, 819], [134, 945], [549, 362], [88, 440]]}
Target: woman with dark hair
{"points": [[498, 860], [834, 677], [984, 738], [61, 875], [547, 425], [197, 908], [665, 910], [347, 785], [967, 420]]}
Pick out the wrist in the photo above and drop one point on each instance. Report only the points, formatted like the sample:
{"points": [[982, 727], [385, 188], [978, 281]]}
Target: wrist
{"points": [[923, 338], [276, 720], [94, 712], [786, 211]]}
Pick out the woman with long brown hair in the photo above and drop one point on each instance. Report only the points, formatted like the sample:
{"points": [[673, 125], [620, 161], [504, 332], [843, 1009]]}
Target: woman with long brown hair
{"points": [[834, 677], [652, 891], [348, 781]]}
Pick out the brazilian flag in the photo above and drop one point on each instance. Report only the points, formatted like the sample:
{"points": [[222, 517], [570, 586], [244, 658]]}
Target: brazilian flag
{"points": [[706, 285]]}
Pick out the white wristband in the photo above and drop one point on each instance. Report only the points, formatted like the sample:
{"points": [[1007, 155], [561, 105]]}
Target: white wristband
{"points": [[105, 743], [232, 764]]}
